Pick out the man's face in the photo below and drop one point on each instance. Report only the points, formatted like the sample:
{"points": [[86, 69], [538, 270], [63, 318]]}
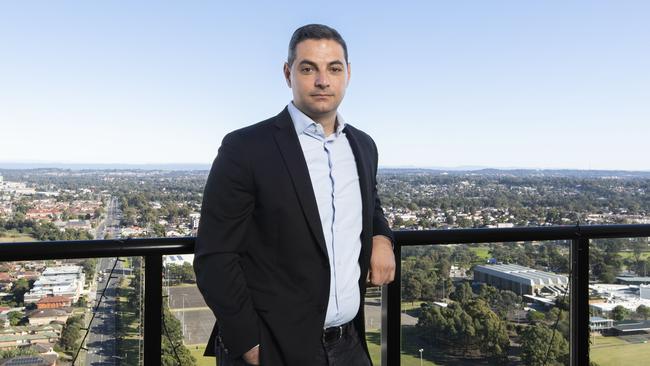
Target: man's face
{"points": [[318, 76]]}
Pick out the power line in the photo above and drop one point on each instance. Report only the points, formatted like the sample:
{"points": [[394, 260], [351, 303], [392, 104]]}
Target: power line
{"points": [[95, 310]]}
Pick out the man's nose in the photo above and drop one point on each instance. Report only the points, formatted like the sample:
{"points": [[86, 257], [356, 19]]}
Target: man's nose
{"points": [[322, 81]]}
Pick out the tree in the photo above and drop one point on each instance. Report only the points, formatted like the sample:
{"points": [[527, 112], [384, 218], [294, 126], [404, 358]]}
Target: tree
{"points": [[21, 286], [619, 313], [535, 316], [89, 265], [14, 317], [470, 325], [181, 273], [491, 331], [411, 288], [462, 293], [20, 351], [83, 302], [536, 342], [173, 340], [643, 311], [71, 333]]}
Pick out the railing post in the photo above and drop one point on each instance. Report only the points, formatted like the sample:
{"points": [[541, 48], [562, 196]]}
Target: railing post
{"points": [[579, 302], [152, 309], [391, 304]]}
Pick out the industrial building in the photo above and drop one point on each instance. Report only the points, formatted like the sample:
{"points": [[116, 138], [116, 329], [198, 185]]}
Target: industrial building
{"points": [[521, 280], [607, 296]]}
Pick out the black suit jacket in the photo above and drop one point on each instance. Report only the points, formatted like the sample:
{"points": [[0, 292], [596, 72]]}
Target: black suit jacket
{"points": [[261, 261]]}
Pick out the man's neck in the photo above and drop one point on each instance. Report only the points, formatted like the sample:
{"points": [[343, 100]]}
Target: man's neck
{"points": [[329, 123], [328, 120]]}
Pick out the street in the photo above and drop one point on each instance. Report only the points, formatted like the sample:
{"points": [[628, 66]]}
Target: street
{"points": [[101, 342]]}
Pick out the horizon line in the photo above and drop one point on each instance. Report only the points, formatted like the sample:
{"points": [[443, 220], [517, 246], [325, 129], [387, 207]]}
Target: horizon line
{"points": [[9, 165]]}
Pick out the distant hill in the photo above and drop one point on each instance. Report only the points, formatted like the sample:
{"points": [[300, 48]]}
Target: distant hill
{"points": [[71, 166], [622, 174], [460, 171]]}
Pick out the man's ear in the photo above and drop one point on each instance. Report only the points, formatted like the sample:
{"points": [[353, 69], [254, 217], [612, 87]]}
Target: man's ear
{"points": [[287, 74]]}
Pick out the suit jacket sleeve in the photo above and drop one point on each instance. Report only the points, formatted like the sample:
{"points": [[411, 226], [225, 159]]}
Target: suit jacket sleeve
{"points": [[226, 215], [379, 222]]}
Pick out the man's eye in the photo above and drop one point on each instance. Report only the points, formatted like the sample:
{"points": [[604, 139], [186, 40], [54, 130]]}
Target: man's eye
{"points": [[306, 69], [337, 69]]}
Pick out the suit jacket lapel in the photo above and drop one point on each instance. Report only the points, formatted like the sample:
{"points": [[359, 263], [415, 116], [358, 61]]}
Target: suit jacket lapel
{"points": [[287, 141]]}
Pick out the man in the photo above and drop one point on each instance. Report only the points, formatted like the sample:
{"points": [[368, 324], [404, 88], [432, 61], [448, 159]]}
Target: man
{"points": [[291, 227]]}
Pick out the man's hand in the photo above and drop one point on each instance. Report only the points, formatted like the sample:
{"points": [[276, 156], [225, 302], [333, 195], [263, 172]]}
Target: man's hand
{"points": [[382, 261], [252, 356]]}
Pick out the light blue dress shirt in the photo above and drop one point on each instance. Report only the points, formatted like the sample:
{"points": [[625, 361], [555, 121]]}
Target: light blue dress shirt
{"points": [[334, 177]]}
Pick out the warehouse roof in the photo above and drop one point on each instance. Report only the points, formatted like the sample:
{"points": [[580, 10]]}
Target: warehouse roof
{"points": [[523, 275]]}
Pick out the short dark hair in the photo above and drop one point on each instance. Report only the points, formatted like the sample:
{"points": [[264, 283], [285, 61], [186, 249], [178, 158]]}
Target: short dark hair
{"points": [[314, 31]]}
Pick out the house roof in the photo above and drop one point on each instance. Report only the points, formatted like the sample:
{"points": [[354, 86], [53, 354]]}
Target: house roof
{"points": [[44, 313], [42, 360], [53, 299]]}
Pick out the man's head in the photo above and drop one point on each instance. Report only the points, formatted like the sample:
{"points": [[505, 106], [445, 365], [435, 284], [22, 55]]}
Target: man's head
{"points": [[317, 69]]}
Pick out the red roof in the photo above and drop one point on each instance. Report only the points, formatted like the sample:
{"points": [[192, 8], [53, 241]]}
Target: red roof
{"points": [[53, 299]]}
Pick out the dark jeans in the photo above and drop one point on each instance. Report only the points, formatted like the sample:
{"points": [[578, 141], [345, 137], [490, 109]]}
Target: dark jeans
{"points": [[347, 351]]}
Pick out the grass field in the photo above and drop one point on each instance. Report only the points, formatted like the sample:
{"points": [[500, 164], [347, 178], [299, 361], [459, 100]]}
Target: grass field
{"points": [[374, 347], [197, 351], [407, 358], [13, 237], [613, 351], [481, 252]]}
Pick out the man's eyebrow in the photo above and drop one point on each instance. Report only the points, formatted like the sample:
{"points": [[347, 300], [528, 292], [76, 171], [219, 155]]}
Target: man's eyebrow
{"points": [[308, 62], [312, 63]]}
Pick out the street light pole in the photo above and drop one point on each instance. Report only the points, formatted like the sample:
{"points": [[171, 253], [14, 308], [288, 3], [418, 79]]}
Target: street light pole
{"points": [[183, 328]]}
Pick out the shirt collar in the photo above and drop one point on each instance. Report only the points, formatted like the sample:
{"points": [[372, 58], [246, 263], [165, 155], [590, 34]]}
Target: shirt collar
{"points": [[302, 123]]}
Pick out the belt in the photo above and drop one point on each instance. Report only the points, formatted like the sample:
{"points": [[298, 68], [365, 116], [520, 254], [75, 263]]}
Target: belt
{"points": [[333, 334]]}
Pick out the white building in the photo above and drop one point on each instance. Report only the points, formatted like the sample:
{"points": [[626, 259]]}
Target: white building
{"points": [[58, 281], [521, 280], [614, 295], [644, 292], [195, 218]]}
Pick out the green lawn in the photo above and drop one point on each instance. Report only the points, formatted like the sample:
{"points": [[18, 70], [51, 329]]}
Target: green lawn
{"points": [[613, 351], [197, 351], [14, 237], [410, 356], [127, 324], [481, 252], [373, 338]]}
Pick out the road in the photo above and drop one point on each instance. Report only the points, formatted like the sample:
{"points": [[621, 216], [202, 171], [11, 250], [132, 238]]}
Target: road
{"points": [[101, 342]]}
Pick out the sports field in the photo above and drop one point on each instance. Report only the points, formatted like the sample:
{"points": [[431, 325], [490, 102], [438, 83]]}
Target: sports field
{"points": [[623, 351], [14, 237], [197, 352]]}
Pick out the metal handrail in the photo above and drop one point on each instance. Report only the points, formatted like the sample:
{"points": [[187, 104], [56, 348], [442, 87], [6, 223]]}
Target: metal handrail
{"points": [[154, 248]]}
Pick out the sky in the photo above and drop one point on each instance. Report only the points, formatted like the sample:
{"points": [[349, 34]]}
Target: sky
{"points": [[501, 84]]}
